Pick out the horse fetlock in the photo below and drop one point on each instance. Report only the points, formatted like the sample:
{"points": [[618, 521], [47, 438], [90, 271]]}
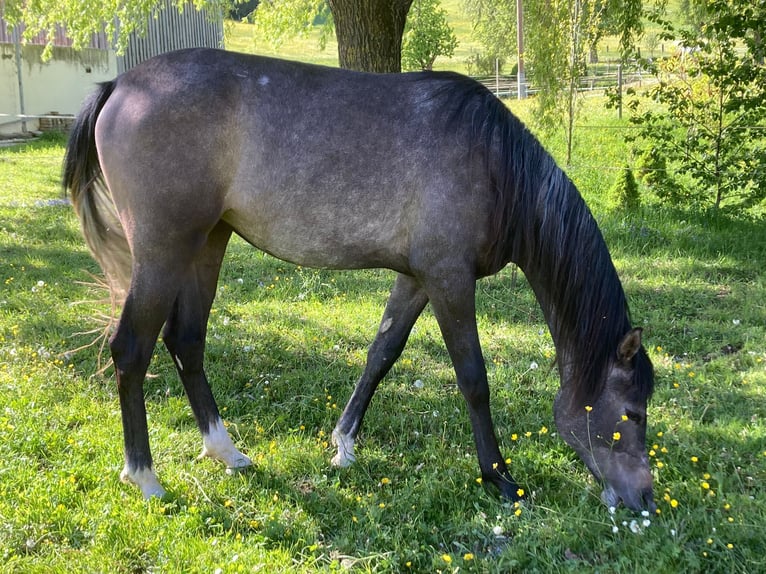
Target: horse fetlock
{"points": [[345, 444], [217, 444], [145, 479]]}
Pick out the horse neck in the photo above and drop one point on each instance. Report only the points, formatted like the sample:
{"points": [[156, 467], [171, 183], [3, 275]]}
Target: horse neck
{"points": [[568, 266]]}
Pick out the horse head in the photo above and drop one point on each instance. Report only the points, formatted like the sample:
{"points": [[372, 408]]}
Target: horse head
{"points": [[610, 434]]}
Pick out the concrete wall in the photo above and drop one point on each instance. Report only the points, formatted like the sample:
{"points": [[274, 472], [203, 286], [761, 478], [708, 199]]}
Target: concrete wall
{"points": [[58, 86]]}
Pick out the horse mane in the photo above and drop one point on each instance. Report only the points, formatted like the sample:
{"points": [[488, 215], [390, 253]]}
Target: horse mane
{"points": [[542, 224]]}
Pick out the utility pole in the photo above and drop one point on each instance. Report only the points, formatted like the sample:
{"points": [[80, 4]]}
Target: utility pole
{"points": [[521, 80], [17, 50]]}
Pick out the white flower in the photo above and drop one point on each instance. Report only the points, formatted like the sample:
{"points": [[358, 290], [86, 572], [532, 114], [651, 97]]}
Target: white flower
{"points": [[646, 523], [497, 530], [418, 384], [736, 322], [615, 529], [612, 510], [533, 365], [634, 528]]}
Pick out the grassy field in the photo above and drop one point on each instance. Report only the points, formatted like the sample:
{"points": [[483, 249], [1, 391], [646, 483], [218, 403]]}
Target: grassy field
{"points": [[285, 347]]}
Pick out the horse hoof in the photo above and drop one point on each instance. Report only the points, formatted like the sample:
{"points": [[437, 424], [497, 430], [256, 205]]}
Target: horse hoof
{"points": [[345, 444], [146, 480]]}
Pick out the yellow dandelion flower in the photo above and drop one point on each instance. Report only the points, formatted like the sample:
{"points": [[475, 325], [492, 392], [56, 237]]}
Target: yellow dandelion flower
{"points": [[616, 436], [666, 497], [447, 558], [514, 436], [588, 408], [624, 418], [517, 512], [507, 461], [659, 434], [705, 485], [694, 459], [468, 557], [730, 546], [730, 519], [408, 564], [543, 430], [479, 480], [495, 465], [382, 505], [726, 506], [528, 434], [652, 452], [385, 480], [520, 492], [673, 503], [660, 464], [709, 540], [706, 476]]}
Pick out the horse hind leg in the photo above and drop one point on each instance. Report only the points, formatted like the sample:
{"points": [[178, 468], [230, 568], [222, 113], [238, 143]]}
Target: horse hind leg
{"points": [[405, 304], [147, 304], [184, 337]]}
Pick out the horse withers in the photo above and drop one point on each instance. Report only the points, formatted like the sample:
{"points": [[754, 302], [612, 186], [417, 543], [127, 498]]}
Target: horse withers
{"points": [[426, 174]]}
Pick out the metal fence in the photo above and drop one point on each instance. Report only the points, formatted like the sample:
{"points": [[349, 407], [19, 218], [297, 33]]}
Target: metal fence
{"points": [[172, 30]]}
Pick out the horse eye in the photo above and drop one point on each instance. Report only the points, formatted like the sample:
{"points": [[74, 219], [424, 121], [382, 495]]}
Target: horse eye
{"points": [[634, 416]]}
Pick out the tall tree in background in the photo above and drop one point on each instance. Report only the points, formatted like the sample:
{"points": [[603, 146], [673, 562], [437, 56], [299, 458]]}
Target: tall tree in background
{"points": [[369, 32], [559, 37]]}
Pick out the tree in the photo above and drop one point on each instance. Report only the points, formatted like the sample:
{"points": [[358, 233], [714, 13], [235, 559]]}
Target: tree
{"points": [[83, 18], [369, 32], [559, 35], [427, 36], [705, 115]]}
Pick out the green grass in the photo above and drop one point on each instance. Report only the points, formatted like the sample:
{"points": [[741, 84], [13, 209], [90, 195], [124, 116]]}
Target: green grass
{"points": [[285, 347]]}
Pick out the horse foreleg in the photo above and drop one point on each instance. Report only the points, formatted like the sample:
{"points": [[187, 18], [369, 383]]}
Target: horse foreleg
{"points": [[184, 338], [455, 309], [405, 304]]}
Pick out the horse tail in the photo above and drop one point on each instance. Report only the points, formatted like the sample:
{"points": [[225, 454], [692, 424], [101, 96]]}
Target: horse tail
{"points": [[92, 199]]}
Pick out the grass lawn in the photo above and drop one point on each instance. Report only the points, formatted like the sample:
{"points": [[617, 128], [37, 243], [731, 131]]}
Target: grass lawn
{"points": [[284, 349]]}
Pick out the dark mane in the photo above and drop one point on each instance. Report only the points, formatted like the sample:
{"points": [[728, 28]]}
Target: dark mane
{"points": [[542, 224]]}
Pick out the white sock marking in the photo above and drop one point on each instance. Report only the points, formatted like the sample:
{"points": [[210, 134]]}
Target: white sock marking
{"points": [[145, 479], [345, 444], [217, 445]]}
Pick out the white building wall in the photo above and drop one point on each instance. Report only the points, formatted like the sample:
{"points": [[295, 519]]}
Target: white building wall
{"points": [[57, 86]]}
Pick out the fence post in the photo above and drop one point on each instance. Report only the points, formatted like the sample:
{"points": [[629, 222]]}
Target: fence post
{"points": [[497, 77], [619, 90]]}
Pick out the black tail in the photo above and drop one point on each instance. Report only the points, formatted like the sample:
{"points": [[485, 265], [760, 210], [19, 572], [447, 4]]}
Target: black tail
{"points": [[92, 200]]}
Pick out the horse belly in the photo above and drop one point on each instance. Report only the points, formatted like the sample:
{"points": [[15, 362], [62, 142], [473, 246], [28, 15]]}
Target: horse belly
{"points": [[323, 237]]}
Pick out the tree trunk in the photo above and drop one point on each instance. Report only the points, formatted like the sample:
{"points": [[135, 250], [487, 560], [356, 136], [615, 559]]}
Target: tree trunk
{"points": [[370, 33]]}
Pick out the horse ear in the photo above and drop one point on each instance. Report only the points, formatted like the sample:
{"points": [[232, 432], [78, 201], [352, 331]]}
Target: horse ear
{"points": [[629, 345]]}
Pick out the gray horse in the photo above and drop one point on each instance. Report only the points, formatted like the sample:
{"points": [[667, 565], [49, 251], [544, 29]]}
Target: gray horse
{"points": [[426, 174]]}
